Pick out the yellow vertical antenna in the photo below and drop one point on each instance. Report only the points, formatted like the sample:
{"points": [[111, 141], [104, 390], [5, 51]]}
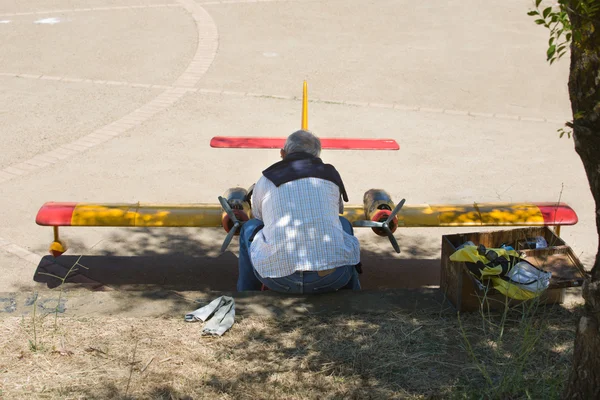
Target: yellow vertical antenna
{"points": [[305, 107]]}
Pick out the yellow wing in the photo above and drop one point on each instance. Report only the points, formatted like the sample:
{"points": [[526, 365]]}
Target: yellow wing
{"points": [[211, 215]]}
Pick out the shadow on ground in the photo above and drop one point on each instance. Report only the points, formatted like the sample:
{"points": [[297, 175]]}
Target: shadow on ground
{"points": [[178, 261]]}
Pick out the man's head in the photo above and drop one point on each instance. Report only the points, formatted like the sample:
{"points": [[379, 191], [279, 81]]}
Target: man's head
{"points": [[302, 141]]}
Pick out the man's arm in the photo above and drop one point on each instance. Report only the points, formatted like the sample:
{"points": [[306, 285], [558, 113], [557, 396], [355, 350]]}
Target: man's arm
{"points": [[257, 198]]}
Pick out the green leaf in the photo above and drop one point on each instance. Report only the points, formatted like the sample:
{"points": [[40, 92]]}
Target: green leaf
{"points": [[584, 7], [547, 12], [568, 36], [537, 2], [551, 41], [540, 21], [562, 132], [551, 51], [533, 12]]}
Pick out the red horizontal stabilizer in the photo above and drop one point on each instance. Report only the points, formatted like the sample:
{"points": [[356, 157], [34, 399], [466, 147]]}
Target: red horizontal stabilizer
{"points": [[238, 142]]}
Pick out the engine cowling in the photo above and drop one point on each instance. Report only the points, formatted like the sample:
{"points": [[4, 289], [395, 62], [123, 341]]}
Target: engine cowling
{"points": [[378, 206], [237, 198]]}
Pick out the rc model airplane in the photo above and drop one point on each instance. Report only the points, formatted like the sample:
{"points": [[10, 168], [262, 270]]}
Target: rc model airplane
{"points": [[378, 211]]}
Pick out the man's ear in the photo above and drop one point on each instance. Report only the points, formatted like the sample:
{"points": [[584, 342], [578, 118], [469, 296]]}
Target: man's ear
{"points": [[282, 153]]}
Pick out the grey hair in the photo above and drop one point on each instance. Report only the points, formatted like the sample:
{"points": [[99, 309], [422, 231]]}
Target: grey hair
{"points": [[303, 141]]}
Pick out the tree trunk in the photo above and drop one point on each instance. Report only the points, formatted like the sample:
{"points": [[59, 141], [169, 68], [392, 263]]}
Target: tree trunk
{"points": [[584, 92]]}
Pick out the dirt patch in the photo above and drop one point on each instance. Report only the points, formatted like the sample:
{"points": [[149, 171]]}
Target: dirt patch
{"points": [[421, 354]]}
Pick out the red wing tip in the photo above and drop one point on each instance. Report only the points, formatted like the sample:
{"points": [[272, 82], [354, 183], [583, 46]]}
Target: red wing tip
{"points": [[558, 214], [55, 214]]}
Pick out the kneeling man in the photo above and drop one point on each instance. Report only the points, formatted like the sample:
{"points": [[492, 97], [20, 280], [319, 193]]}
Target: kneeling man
{"points": [[296, 241]]}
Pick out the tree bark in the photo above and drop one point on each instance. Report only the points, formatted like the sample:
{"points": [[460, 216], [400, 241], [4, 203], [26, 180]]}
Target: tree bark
{"points": [[584, 92]]}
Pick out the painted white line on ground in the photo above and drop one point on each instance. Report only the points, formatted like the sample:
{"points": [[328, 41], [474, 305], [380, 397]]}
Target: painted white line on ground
{"points": [[48, 21], [73, 10]]}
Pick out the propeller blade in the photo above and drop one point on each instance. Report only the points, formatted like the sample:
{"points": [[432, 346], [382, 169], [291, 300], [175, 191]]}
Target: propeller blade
{"points": [[367, 224], [227, 209], [229, 237], [396, 209], [393, 240], [394, 243]]}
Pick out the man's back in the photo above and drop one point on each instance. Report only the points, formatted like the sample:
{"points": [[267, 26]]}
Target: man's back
{"points": [[302, 229]]}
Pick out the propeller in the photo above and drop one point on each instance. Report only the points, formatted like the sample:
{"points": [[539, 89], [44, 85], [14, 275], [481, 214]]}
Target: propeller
{"points": [[236, 223], [385, 225]]}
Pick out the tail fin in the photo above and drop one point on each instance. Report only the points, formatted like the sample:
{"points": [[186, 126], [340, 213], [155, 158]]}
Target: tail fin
{"points": [[305, 107]]}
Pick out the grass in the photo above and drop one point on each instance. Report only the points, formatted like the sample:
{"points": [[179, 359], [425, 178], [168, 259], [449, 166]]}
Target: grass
{"points": [[511, 352], [62, 280], [395, 355]]}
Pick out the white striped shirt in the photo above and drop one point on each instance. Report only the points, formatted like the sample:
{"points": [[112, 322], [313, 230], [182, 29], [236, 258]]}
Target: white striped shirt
{"points": [[302, 228]]}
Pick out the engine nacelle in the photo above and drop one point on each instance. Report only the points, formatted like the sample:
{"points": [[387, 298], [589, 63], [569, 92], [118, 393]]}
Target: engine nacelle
{"points": [[237, 198], [378, 206]]}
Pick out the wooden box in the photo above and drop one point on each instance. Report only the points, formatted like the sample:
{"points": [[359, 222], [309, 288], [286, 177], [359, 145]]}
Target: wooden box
{"points": [[467, 293]]}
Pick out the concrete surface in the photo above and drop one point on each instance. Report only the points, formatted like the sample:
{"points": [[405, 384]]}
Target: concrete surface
{"points": [[145, 45], [42, 115], [461, 55], [117, 101]]}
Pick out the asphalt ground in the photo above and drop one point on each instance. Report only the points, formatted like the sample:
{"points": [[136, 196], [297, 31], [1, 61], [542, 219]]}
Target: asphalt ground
{"points": [[116, 101]]}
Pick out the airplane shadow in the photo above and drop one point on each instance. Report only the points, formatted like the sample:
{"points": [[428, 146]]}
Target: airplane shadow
{"points": [[180, 272], [190, 262]]}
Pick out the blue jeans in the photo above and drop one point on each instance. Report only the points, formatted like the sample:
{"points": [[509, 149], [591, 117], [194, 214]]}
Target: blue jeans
{"points": [[345, 277]]}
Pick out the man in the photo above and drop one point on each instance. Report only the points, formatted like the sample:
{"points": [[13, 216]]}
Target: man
{"points": [[296, 241]]}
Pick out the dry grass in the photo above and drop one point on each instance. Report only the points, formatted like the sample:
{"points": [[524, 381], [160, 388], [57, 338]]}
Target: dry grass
{"points": [[396, 355]]}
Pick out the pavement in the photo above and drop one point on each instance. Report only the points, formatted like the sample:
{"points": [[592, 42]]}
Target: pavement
{"points": [[116, 101]]}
